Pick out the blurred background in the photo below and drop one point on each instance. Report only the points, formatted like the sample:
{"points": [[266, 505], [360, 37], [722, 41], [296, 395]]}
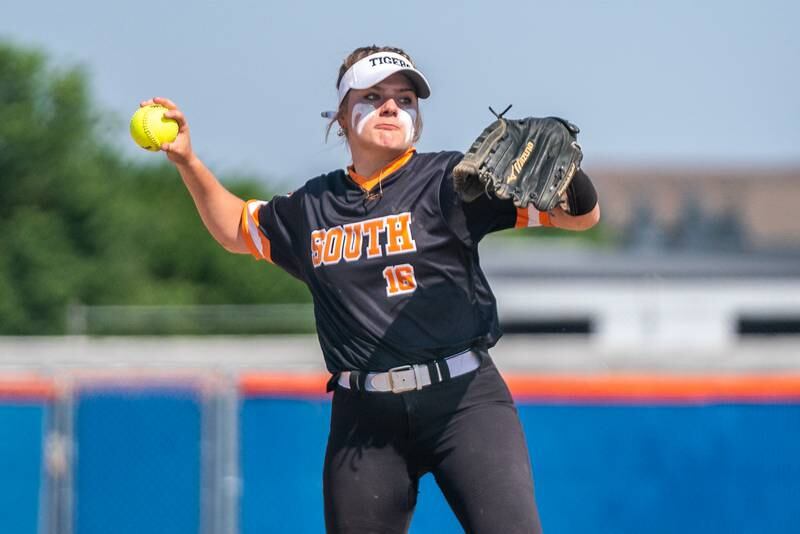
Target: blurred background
{"points": [[152, 382]]}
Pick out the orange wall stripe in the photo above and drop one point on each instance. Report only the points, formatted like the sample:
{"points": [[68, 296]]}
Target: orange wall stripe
{"points": [[588, 389], [574, 388], [656, 388], [283, 384], [27, 388]]}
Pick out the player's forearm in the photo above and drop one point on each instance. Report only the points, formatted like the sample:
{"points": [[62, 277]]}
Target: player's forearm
{"points": [[219, 209], [584, 209], [561, 219]]}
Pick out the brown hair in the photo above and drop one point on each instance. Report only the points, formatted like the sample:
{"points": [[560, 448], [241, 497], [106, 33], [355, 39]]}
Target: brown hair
{"points": [[352, 59]]}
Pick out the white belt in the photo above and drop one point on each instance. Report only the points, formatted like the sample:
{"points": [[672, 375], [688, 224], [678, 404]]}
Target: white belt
{"points": [[408, 377]]}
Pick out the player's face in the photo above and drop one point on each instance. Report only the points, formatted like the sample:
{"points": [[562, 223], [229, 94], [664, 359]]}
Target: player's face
{"points": [[383, 116]]}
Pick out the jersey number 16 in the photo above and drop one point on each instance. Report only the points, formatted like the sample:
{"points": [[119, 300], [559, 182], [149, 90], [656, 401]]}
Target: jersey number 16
{"points": [[399, 279]]}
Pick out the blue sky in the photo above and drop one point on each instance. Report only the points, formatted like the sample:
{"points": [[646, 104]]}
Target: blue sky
{"points": [[667, 82]]}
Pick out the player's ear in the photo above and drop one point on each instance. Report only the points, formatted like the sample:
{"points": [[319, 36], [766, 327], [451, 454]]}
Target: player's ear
{"points": [[342, 112], [417, 127]]}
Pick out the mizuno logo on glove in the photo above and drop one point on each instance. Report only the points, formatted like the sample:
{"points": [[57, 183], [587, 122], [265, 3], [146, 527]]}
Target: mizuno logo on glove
{"points": [[516, 168]]}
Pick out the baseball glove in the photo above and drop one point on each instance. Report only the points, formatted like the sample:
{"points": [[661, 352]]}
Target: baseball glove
{"points": [[530, 160]]}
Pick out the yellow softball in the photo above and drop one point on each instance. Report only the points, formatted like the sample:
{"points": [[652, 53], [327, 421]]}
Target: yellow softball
{"points": [[150, 129]]}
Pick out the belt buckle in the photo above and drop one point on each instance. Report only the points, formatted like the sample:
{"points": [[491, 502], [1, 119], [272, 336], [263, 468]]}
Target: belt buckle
{"points": [[402, 382]]}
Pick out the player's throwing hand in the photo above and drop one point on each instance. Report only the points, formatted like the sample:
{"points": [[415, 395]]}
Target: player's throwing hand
{"points": [[178, 151]]}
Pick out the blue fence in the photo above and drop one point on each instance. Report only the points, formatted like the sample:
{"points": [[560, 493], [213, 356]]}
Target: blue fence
{"points": [[139, 463], [22, 435], [693, 469], [655, 469], [611, 468]]}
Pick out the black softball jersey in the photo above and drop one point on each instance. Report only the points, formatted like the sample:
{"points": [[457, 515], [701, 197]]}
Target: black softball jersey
{"points": [[393, 268]]}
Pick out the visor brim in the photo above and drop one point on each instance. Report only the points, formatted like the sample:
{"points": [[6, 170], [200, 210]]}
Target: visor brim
{"points": [[421, 86]]}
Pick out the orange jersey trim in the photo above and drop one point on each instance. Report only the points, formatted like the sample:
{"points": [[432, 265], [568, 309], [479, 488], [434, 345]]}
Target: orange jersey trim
{"points": [[367, 183], [530, 216], [583, 389], [249, 217], [522, 218]]}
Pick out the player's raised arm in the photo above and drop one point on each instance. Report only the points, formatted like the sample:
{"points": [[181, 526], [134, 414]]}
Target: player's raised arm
{"points": [[219, 209]]}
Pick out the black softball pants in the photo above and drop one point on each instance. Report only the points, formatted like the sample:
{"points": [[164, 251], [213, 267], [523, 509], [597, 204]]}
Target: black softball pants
{"points": [[464, 431]]}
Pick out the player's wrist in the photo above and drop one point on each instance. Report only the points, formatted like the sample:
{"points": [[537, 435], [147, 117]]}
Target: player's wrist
{"points": [[529, 216], [188, 161]]}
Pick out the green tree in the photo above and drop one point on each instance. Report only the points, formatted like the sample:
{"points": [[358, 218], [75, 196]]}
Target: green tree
{"points": [[81, 223]]}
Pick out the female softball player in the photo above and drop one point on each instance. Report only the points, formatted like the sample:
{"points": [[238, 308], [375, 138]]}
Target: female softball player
{"points": [[404, 314]]}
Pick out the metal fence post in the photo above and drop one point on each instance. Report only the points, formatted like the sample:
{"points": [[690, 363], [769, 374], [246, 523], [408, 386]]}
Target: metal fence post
{"points": [[220, 464], [59, 462]]}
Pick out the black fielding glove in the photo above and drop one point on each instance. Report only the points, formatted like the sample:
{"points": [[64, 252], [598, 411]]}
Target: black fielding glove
{"points": [[531, 160]]}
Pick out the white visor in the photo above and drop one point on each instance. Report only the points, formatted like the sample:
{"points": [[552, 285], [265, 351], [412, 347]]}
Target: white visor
{"points": [[375, 68]]}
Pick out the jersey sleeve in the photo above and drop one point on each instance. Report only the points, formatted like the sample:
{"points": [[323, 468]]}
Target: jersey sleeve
{"points": [[472, 221], [271, 231]]}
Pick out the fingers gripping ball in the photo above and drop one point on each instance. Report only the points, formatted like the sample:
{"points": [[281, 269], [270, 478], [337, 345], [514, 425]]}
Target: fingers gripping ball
{"points": [[150, 129]]}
